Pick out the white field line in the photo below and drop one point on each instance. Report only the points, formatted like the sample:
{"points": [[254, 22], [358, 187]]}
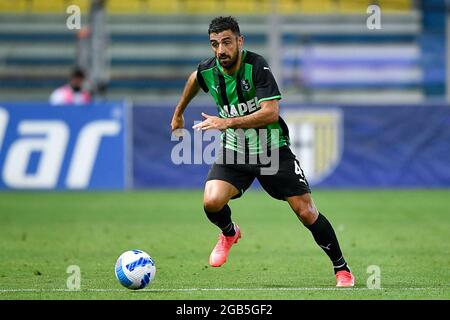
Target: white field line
{"points": [[224, 289]]}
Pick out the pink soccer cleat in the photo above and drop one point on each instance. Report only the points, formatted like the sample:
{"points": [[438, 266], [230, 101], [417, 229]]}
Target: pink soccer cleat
{"points": [[344, 279], [220, 252]]}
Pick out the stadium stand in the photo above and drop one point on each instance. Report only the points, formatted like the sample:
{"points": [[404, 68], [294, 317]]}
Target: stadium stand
{"points": [[331, 56], [190, 7]]}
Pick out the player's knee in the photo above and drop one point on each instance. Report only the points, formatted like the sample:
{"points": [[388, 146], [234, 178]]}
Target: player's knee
{"points": [[213, 203], [307, 215]]}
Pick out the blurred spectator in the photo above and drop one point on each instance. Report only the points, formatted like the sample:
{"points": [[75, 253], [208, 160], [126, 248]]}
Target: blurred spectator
{"points": [[71, 93]]}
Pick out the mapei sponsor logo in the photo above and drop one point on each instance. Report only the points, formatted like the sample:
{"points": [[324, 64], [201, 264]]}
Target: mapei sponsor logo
{"points": [[141, 262], [316, 139], [240, 109], [50, 139]]}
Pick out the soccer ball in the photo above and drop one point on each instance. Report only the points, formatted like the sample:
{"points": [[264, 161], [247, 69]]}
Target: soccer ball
{"points": [[135, 269]]}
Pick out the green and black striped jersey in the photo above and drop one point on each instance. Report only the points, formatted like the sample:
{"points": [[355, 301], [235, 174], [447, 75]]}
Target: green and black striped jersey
{"points": [[240, 94]]}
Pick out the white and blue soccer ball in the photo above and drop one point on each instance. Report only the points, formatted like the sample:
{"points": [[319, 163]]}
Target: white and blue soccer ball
{"points": [[135, 269]]}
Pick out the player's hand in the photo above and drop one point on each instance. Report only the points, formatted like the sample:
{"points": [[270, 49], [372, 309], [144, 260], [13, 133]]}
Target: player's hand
{"points": [[177, 125], [211, 122]]}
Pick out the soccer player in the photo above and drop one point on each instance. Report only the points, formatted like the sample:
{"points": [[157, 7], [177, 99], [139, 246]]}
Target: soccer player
{"points": [[246, 95]]}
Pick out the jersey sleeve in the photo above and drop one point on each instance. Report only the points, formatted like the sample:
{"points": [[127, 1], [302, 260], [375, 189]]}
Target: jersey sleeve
{"points": [[200, 79], [265, 84]]}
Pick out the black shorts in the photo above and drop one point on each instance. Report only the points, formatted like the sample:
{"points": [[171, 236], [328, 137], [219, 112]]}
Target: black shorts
{"points": [[289, 180]]}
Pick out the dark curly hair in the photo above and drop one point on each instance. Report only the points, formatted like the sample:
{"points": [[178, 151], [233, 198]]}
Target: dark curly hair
{"points": [[221, 24]]}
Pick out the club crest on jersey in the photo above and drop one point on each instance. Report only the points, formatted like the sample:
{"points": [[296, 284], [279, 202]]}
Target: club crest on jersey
{"points": [[245, 84]]}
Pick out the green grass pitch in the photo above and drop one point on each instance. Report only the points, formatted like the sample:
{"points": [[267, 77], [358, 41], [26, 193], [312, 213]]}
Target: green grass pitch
{"points": [[405, 233]]}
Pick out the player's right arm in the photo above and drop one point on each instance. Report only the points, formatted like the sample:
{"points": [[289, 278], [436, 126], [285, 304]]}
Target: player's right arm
{"points": [[190, 91]]}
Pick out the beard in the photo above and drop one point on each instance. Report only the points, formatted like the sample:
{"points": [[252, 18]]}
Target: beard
{"points": [[227, 62]]}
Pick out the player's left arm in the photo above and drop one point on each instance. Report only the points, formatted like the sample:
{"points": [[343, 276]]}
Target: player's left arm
{"points": [[266, 115]]}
